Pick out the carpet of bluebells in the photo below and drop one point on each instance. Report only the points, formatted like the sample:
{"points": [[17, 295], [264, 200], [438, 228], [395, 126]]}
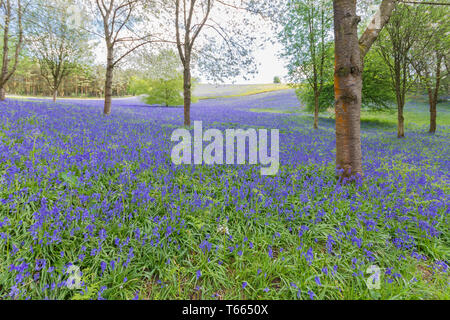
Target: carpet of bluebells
{"points": [[101, 194]]}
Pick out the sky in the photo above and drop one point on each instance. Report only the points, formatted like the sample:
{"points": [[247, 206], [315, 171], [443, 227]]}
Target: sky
{"points": [[269, 66], [267, 58]]}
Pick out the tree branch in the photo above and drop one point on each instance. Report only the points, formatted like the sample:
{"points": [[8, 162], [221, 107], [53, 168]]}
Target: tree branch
{"points": [[377, 23]]}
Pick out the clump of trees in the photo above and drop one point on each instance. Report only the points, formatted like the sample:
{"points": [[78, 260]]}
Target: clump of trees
{"points": [[85, 80], [165, 92], [56, 43], [161, 79], [410, 43]]}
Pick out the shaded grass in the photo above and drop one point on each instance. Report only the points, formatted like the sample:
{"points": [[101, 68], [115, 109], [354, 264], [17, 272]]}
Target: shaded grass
{"points": [[416, 116]]}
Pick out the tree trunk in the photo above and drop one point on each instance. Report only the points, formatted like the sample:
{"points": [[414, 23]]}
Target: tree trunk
{"points": [[108, 91], [433, 112], [187, 94], [5, 57], [5, 72], [316, 110], [401, 121], [166, 97], [55, 94], [108, 82], [434, 95], [347, 86], [2, 94]]}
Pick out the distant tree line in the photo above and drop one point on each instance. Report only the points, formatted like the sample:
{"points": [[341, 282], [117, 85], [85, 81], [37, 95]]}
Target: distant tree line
{"points": [[84, 81]]}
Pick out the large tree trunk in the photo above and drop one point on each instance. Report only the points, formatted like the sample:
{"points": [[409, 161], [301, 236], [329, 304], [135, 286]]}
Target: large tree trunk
{"points": [[55, 94], [187, 94], [347, 86], [108, 82], [316, 110], [349, 56], [400, 99]]}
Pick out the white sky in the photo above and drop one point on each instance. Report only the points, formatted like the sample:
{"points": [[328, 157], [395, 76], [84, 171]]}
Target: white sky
{"points": [[267, 58], [269, 66]]}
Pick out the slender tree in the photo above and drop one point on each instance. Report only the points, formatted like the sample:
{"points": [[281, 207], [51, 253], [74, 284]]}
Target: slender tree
{"points": [[58, 45], [225, 50], [305, 35], [186, 44], [395, 44], [429, 54], [8, 67], [119, 29]]}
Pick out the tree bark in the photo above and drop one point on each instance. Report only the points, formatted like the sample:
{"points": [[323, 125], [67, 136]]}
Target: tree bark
{"points": [[401, 121], [316, 110], [432, 103], [108, 83], [349, 61], [379, 20], [55, 94], [187, 94], [347, 87], [6, 74], [433, 96], [5, 57], [2, 94]]}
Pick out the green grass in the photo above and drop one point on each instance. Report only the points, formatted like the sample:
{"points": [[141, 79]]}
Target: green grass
{"points": [[153, 276], [233, 91], [269, 110], [416, 115]]}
